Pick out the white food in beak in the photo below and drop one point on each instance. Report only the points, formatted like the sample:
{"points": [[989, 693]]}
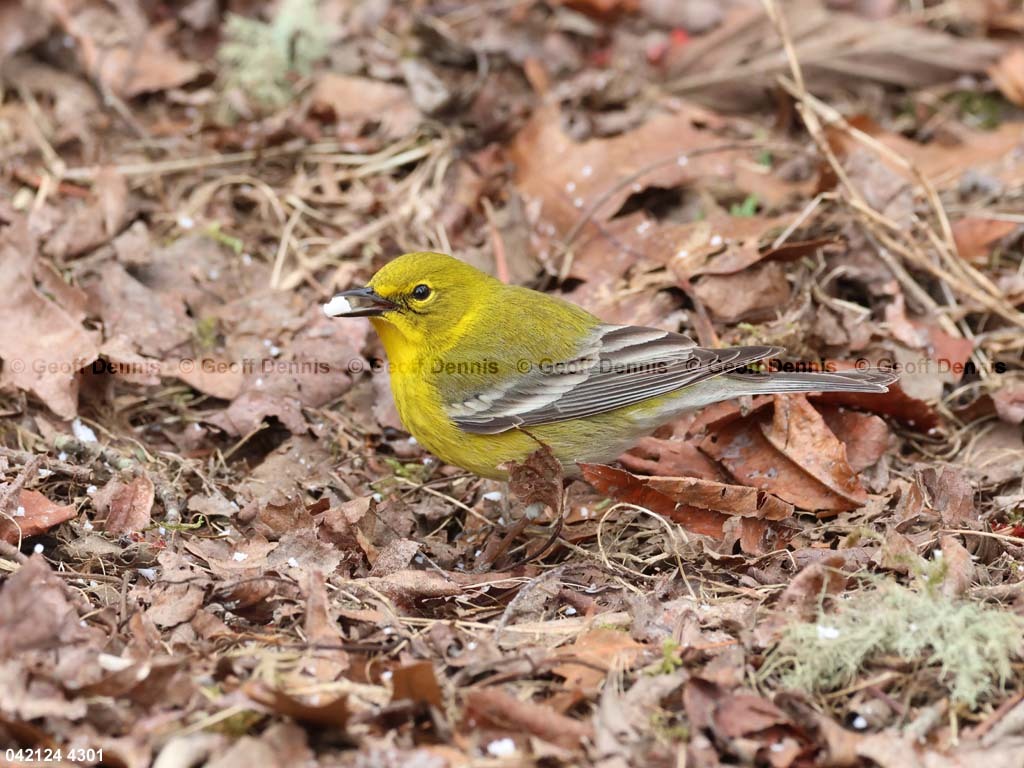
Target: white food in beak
{"points": [[337, 307]]}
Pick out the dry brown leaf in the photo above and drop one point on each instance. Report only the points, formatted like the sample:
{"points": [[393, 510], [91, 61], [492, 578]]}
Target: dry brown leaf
{"points": [[503, 710], [721, 497], [1009, 402], [125, 507], [357, 101], [740, 714], [48, 370], [34, 514], [755, 293], [750, 449], [1008, 75], [631, 489], [154, 323], [175, 604], [958, 568], [975, 236], [865, 435], [800, 433], [333, 713], [34, 611], [538, 480], [121, 49], [951, 494], [417, 682], [670, 457], [601, 650], [565, 178], [329, 659]]}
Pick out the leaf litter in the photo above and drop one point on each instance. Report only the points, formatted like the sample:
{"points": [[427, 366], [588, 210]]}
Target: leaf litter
{"points": [[219, 546]]}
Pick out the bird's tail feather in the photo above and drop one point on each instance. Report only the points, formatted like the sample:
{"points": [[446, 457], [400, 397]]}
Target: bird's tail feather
{"points": [[868, 380]]}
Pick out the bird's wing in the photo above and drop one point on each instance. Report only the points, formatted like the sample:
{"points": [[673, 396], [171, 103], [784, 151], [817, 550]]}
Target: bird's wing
{"points": [[615, 366]]}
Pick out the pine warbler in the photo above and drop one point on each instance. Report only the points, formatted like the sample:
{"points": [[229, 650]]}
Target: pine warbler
{"points": [[482, 372]]}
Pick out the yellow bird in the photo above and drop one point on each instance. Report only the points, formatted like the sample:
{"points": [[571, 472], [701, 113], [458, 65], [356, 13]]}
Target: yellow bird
{"points": [[482, 372]]}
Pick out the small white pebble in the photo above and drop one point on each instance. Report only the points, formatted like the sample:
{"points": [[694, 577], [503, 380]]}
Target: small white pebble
{"points": [[267, 343], [716, 240], [387, 630], [213, 274], [186, 222], [385, 675], [259, 382], [293, 563], [826, 632], [494, 495], [570, 611], [501, 748], [62, 456], [149, 574], [584, 512], [778, 746], [643, 226], [20, 511], [501, 520], [587, 171], [682, 253], [337, 307], [247, 259], [937, 554], [82, 432], [38, 549], [570, 187], [239, 556], [44, 472], [377, 497], [682, 161], [471, 645], [87, 525], [578, 202], [413, 441], [859, 723]]}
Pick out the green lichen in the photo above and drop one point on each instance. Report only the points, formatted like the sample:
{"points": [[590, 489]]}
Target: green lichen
{"points": [[261, 60], [972, 645]]}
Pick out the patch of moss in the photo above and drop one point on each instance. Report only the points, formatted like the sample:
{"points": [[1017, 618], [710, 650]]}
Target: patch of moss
{"points": [[971, 644], [260, 60]]}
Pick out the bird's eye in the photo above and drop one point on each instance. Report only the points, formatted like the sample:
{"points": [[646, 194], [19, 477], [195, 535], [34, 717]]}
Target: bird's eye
{"points": [[420, 292]]}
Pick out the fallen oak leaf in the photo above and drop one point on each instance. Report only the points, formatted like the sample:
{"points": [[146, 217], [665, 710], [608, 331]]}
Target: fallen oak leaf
{"points": [[417, 682], [975, 236], [800, 433], [35, 514], [743, 448], [504, 710], [630, 489], [865, 435], [587, 661], [125, 507], [741, 500], [334, 713]]}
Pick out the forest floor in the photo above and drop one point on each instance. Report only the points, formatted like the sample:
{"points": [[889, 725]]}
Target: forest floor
{"points": [[217, 544]]}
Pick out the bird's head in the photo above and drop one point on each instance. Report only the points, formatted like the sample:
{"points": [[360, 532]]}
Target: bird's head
{"points": [[420, 296]]}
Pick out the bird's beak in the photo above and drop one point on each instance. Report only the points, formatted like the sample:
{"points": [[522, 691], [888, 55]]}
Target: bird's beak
{"points": [[358, 302]]}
